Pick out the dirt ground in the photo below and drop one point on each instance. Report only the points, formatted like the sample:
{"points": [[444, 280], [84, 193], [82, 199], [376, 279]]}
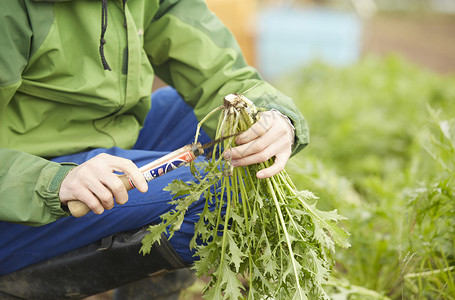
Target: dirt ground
{"points": [[428, 41]]}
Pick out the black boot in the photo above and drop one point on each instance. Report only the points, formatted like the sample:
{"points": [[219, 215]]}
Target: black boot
{"points": [[113, 262], [164, 287]]}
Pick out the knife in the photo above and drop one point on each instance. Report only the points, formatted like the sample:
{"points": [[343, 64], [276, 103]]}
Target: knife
{"points": [[155, 169]]}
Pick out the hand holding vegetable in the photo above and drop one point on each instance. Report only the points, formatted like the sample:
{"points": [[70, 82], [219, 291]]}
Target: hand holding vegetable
{"points": [[95, 184], [271, 136]]}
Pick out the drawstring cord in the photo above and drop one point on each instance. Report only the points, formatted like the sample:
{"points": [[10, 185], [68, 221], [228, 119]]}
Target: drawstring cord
{"points": [[124, 4], [103, 31]]}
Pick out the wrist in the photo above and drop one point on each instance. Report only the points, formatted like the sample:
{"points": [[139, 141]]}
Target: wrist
{"points": [[291, 126]]}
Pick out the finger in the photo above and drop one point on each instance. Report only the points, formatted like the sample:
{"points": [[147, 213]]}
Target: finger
{"points": [[253, 147], [90, 200], [256, 130], [264, 155], [117, 189], [138, 180], [102, 193], [272, 137], [132, 171], [93, 182], [278, 166]]}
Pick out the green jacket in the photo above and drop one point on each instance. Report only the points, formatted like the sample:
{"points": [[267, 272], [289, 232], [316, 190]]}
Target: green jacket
{"points": [[56, 98]]}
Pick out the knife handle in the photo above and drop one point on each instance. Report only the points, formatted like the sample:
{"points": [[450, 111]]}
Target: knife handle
{"points": [[150, 171]]}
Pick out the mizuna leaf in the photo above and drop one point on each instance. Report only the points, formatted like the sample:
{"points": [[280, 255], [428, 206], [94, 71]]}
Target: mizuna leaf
{"points": [[233, 286], [235, 252], [153, 236], [299, 294], [323, 220]]}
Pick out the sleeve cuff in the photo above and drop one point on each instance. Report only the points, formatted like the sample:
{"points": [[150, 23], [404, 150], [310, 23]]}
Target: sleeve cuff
{"points": [[53, 201]]}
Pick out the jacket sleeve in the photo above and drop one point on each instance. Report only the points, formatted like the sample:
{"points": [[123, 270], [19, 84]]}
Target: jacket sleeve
{"points": [[28, 184], [191, 50], [29, 187]]}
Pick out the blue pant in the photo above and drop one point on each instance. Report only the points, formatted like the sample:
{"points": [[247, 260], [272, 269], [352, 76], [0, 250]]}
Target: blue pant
{"points": [[169, 125]]}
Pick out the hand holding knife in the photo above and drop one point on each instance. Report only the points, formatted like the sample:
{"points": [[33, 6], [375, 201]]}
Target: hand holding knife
{"points": [[155, 169]]}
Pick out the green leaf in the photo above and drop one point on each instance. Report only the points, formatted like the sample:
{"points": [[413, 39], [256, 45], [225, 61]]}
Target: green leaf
{"points": [[153, 236], [233, 286], [322, 220], [236, 254], [178, 187], [239, 220], [299, 294], [214, 293], [314, 264]]}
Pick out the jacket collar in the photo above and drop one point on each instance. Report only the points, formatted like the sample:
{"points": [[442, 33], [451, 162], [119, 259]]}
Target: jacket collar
{"points": [[103, 28]]}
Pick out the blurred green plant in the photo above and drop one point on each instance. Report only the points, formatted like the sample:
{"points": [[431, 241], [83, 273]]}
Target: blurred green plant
{"points": [[432, 216], [367, 124]]}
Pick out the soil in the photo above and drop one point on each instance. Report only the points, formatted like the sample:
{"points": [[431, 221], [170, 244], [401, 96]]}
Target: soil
{"points": [[427, 40]]}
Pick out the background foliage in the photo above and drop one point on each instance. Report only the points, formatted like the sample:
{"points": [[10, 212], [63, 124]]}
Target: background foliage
{"points": [[382, 153]]}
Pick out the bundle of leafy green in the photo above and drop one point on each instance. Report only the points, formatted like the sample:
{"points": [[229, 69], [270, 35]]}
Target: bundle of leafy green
{"points": [[263, 230]]}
